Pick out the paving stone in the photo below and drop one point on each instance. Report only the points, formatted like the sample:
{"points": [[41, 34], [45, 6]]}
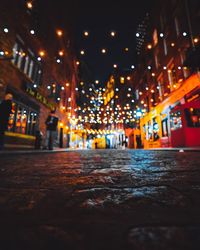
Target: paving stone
{"points": [[105, 199]]}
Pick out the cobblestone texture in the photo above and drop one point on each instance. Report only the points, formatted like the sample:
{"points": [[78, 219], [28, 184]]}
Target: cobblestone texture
{"points": [[103, 199]]}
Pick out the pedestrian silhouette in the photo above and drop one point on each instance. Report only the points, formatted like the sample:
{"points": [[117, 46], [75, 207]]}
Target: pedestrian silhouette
{"points": [[5, 111], [51, 130]]}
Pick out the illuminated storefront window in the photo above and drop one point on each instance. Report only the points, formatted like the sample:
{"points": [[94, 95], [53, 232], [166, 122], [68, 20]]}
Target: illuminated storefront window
{"points": [[23, 119], [192, 117], [150, 131], [11, 123], [155, 130], [175, 120], [165, 128]]}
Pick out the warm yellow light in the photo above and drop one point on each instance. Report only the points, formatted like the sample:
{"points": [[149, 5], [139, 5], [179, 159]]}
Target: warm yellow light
{"points": [[153, 74], [113, 33], [42, 53], [149, 46], [196, 40], [86, 33], [172, 44], [122, 79], [61, 53], [61, 124], [77, 63], [82, 52], [128, 78], [67, 84], [97, 81], [126, 49], [29, 5], [59, 32]]}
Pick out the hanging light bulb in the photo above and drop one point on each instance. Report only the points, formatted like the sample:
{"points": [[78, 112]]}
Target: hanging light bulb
{"points": [[29, 5]]}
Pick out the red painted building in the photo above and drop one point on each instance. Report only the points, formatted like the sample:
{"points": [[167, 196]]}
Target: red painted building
{"points": [[167, 80]]}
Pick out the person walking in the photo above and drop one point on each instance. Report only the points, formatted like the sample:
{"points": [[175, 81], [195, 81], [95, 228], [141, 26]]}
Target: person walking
{"points": [[51, 129], [5, 111]]}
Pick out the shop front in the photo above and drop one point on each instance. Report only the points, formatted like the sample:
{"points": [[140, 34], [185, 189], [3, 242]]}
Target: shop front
{"points": [[185, 125], [175, 121], [23, 121]]}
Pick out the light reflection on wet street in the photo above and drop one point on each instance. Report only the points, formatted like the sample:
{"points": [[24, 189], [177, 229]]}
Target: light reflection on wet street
{"points": [[103, 199]]}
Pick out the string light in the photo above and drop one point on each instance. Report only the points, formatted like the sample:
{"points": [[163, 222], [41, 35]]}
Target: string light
{"points": [[113, 33], [59, 32], [5, 30], [149, 46], [82, 52], [32, 32], [42, 53], [86, 33], [29, 5], [61, 53]]}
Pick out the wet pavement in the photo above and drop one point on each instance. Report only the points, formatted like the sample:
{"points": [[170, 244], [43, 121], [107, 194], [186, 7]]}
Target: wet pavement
{"points": [[100, 199]]}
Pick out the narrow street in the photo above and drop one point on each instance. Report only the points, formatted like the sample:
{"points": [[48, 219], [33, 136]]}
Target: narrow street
{"points": [[100, 199]]}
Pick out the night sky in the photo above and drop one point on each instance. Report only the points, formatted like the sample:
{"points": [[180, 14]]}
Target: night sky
{"points": [[99, 18]]}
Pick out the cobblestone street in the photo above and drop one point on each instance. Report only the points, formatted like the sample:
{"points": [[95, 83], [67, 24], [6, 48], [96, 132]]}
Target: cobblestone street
{"points": [[100, 199]]}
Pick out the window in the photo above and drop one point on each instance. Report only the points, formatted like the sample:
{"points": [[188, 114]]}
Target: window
{"points": [[149, 131], [11, 123], [175, 120], [25, 61], [30, 72], [192, 117], [172, 79], [23, 119], [156, 60], [15, 53], [20, 59], [177, 26], [26, 66], [165, 128], [32, 121], [155, 130], [165, 46]]}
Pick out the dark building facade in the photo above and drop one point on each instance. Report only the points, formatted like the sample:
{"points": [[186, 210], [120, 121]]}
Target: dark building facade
{"points": [[167, 80], [37, 72]]}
